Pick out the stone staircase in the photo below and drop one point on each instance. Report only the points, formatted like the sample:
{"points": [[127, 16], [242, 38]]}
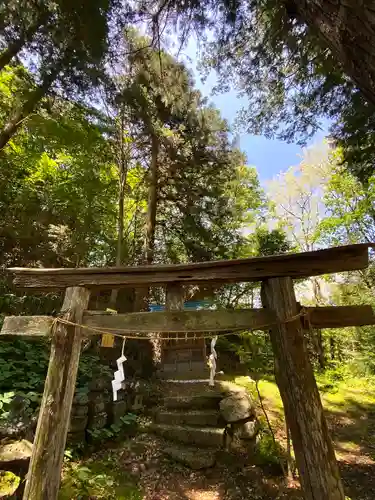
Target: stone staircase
{"points": [[189, 418]]}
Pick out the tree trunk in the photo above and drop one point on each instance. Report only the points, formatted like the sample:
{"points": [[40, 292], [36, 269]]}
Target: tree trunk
{"points": [[348, 29], [123, 173], [11, 51], [152, 202], [15, 121], [332, 347], [316, 462], [317, 333], [142, 294], [15, 47], [320, 349]]}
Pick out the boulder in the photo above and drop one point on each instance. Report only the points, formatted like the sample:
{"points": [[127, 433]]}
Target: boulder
{"points": [[246, 430], [236, 407], [192, 457], [15, 456]]}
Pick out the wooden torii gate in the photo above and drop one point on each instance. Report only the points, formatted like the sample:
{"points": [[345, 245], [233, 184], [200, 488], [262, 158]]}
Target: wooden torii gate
{"points": [[281, 315]]}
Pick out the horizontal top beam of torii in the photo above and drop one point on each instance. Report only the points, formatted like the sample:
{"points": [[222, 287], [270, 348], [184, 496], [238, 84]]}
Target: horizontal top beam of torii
{"points": [[294, 265]]}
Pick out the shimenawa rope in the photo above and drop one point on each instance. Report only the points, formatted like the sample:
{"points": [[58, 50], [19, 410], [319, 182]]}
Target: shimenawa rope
{"points": [[155, 336]]}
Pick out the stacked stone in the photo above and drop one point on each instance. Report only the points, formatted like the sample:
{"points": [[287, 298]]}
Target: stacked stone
{"points": [[100, 400], [78, 418]]}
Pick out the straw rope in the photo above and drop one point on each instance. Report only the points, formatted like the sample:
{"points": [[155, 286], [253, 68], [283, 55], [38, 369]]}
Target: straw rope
{"points": [[155, 336]]}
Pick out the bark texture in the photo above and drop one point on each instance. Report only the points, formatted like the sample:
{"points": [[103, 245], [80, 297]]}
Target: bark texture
{"points": [[152, 202], [43, 478], [122, 165], [347, 27], [316, 462]]}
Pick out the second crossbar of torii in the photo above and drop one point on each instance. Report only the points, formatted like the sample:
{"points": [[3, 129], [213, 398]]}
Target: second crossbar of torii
{"points": [[282, 316]]}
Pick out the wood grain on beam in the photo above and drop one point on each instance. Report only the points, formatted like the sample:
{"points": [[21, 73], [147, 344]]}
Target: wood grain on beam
{"points": [[30, 326], [299, 265], [191, 321], [182, 321], [340, 316]]}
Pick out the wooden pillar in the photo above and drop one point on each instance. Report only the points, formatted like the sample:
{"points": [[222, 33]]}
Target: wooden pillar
{"points": [[174, 300], [43, 478], [315, 457]]}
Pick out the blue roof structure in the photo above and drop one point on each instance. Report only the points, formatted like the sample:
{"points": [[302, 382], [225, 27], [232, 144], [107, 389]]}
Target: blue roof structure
{"points": [[192, 305]]}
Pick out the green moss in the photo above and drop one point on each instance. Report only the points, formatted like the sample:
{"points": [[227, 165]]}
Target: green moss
{"points": [[9, 482]]}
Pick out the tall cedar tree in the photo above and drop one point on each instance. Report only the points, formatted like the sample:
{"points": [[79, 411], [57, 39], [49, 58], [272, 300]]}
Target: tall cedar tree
{"points": [[296, 62]]}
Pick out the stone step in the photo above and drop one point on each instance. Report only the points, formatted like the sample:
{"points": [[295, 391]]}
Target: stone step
{"points": [[200, 436], [195, 458], [190, 417], [198, 402]]}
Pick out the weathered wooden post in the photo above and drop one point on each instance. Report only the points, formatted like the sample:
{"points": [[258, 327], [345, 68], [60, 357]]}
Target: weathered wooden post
{"points": [[43, 478], [315, 457], [174, 300]]}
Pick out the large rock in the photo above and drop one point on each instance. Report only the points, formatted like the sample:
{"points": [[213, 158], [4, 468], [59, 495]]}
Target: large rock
{"points": [[16, 456], [246, 430], [192, 457], [236, 407]]}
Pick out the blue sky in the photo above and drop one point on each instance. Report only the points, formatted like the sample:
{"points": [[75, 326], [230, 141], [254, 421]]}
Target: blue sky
{"points": [[269, 156]]}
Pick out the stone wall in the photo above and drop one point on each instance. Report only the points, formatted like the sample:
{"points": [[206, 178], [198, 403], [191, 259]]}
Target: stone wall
{"points": [[92, 409], [96, 409]]}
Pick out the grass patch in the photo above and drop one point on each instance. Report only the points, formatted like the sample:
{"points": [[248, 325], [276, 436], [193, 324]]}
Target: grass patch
{"points": [[353, 395], [339, 393]]}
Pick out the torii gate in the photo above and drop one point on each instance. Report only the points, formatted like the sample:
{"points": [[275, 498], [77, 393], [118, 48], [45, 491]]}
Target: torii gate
{"points": [[281, 315]]}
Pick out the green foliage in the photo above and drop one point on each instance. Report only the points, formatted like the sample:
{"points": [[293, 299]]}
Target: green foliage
{"points": [[272, 242], [276, 57], [98, 477], [268, 451], [127, 424], [23, 368], [9, 482]]}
